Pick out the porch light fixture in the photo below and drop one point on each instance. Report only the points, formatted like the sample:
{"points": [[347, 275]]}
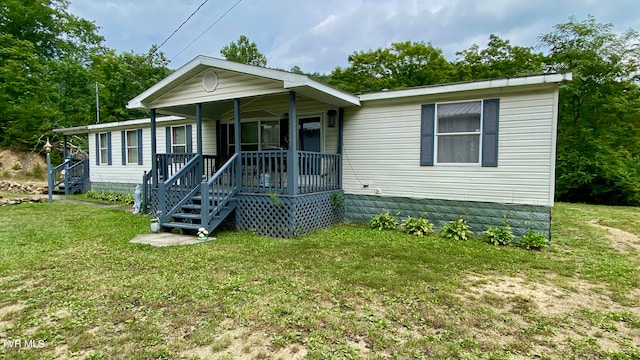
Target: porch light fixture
{"points": [[331, 114]]}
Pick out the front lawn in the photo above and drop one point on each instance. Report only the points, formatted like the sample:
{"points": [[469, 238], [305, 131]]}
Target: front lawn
{"points": [[72, 286]]}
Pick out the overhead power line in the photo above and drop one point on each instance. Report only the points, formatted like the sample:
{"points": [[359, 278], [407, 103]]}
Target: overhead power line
{"points": [[179, 27], [207, 29]]}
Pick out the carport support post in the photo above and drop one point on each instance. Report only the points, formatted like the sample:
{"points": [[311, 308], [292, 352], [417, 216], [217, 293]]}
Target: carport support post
{"points": [[292, 156], [237, 139]]}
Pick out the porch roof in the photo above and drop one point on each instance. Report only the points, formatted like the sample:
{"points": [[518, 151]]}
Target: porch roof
{"points": [[285, 81], [109, 126]]}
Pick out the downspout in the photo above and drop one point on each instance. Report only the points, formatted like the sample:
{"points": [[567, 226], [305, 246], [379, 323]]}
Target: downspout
{"points": [[292, 156]]}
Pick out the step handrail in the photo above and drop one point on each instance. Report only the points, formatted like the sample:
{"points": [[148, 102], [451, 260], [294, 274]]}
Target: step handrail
{"points": [[190, 171], [223, 183]]}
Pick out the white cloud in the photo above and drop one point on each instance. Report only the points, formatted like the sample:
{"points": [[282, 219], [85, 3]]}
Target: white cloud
{"points": [[319, 35]]}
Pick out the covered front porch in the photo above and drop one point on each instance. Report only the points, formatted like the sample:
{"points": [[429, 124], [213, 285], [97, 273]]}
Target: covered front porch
{"points": [[277, 171]]}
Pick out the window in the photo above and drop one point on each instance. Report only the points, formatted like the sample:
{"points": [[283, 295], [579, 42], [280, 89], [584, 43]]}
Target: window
{"points": [[256, 135], [458, 128], [178, 140], [103, 148], [132, 147], [460, 133]]}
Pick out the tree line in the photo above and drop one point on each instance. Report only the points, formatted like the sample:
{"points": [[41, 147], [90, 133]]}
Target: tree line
{"points": [[51, 61]]}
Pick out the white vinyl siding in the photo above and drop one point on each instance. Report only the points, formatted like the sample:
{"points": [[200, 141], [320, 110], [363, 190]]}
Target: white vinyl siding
{"points": [[382, 150], [230, 85], [132, 173]]}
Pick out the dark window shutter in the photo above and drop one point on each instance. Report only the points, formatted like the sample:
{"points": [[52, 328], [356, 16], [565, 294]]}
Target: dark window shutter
{"points": [[427, 120], [124, 147], [188, 137], [139, 146], [168, 134], [97, 149], [109, 161], [490, 116]]}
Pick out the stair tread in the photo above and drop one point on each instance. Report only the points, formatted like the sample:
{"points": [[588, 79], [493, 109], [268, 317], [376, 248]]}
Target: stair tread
{"points": [[186, 215], [181, 225]]}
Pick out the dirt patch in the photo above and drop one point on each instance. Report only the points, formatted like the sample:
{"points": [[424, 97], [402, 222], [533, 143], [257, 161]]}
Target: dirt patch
{"points": [[4, 311], [584, 308], [621, 240], [241, 343], [22, 165]]}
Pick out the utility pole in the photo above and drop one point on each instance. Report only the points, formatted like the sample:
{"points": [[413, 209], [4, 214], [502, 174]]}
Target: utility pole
{"points": [[97, 105]]}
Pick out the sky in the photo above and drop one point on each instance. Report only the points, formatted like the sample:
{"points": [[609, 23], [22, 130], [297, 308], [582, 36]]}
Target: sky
{"points": [[319, 35]]}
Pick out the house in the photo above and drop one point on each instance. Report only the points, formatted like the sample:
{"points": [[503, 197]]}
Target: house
{"points": [[279, 149]]}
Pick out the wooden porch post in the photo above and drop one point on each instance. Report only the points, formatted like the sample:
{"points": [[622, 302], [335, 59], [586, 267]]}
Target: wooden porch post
{"points": [[237, 140], [340, 143], [154, 164], [199, 138], [292, 156], [199, 127]]}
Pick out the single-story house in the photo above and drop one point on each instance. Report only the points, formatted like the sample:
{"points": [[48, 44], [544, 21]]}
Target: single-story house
{"points": [[288, 154]]}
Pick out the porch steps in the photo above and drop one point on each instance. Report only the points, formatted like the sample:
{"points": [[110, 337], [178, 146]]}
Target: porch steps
{"points": [[75, 186], [189, 218]]}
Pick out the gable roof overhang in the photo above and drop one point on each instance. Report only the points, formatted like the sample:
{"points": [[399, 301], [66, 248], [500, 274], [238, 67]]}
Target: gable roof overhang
{"points": [[279, 82]]}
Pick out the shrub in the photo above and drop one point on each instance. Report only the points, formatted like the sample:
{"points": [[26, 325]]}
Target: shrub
{"points": [[111, 196], [417, 226], [337, 200], [533, 240], [499, 235], [383, 221], [456, 230]]}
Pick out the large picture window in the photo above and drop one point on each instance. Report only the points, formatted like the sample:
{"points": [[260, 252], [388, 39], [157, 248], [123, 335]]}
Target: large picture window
{"points": [[256, 135]]}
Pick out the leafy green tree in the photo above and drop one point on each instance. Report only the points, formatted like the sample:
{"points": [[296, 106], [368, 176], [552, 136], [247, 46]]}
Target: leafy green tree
{"points": [[121, 77], [244, 51], [403, 64], [498, 60], [599, 117], [24, 93]]}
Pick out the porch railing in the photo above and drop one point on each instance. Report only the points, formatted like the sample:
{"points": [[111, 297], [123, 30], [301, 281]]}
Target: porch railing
{"points": [[318, 172], [266, 171], [72, 175], [170, 164], [218, 190]]}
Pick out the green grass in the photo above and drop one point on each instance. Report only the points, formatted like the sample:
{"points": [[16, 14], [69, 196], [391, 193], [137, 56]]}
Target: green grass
{"points": [[70, 277]]}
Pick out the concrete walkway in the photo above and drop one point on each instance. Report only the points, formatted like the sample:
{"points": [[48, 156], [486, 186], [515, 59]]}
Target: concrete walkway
{"points": [[167, 239]]}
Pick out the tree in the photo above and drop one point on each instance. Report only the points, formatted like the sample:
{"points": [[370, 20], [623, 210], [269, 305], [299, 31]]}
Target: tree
{"points": [[403, 64], [121, 77], [244, 51], [499, 59], [599, 117]]}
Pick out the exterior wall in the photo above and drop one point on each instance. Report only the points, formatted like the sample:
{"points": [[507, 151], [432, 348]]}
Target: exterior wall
{"points": [[230, 85], [114, 176], [480, 215], [124, 188], [382, 151]]}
